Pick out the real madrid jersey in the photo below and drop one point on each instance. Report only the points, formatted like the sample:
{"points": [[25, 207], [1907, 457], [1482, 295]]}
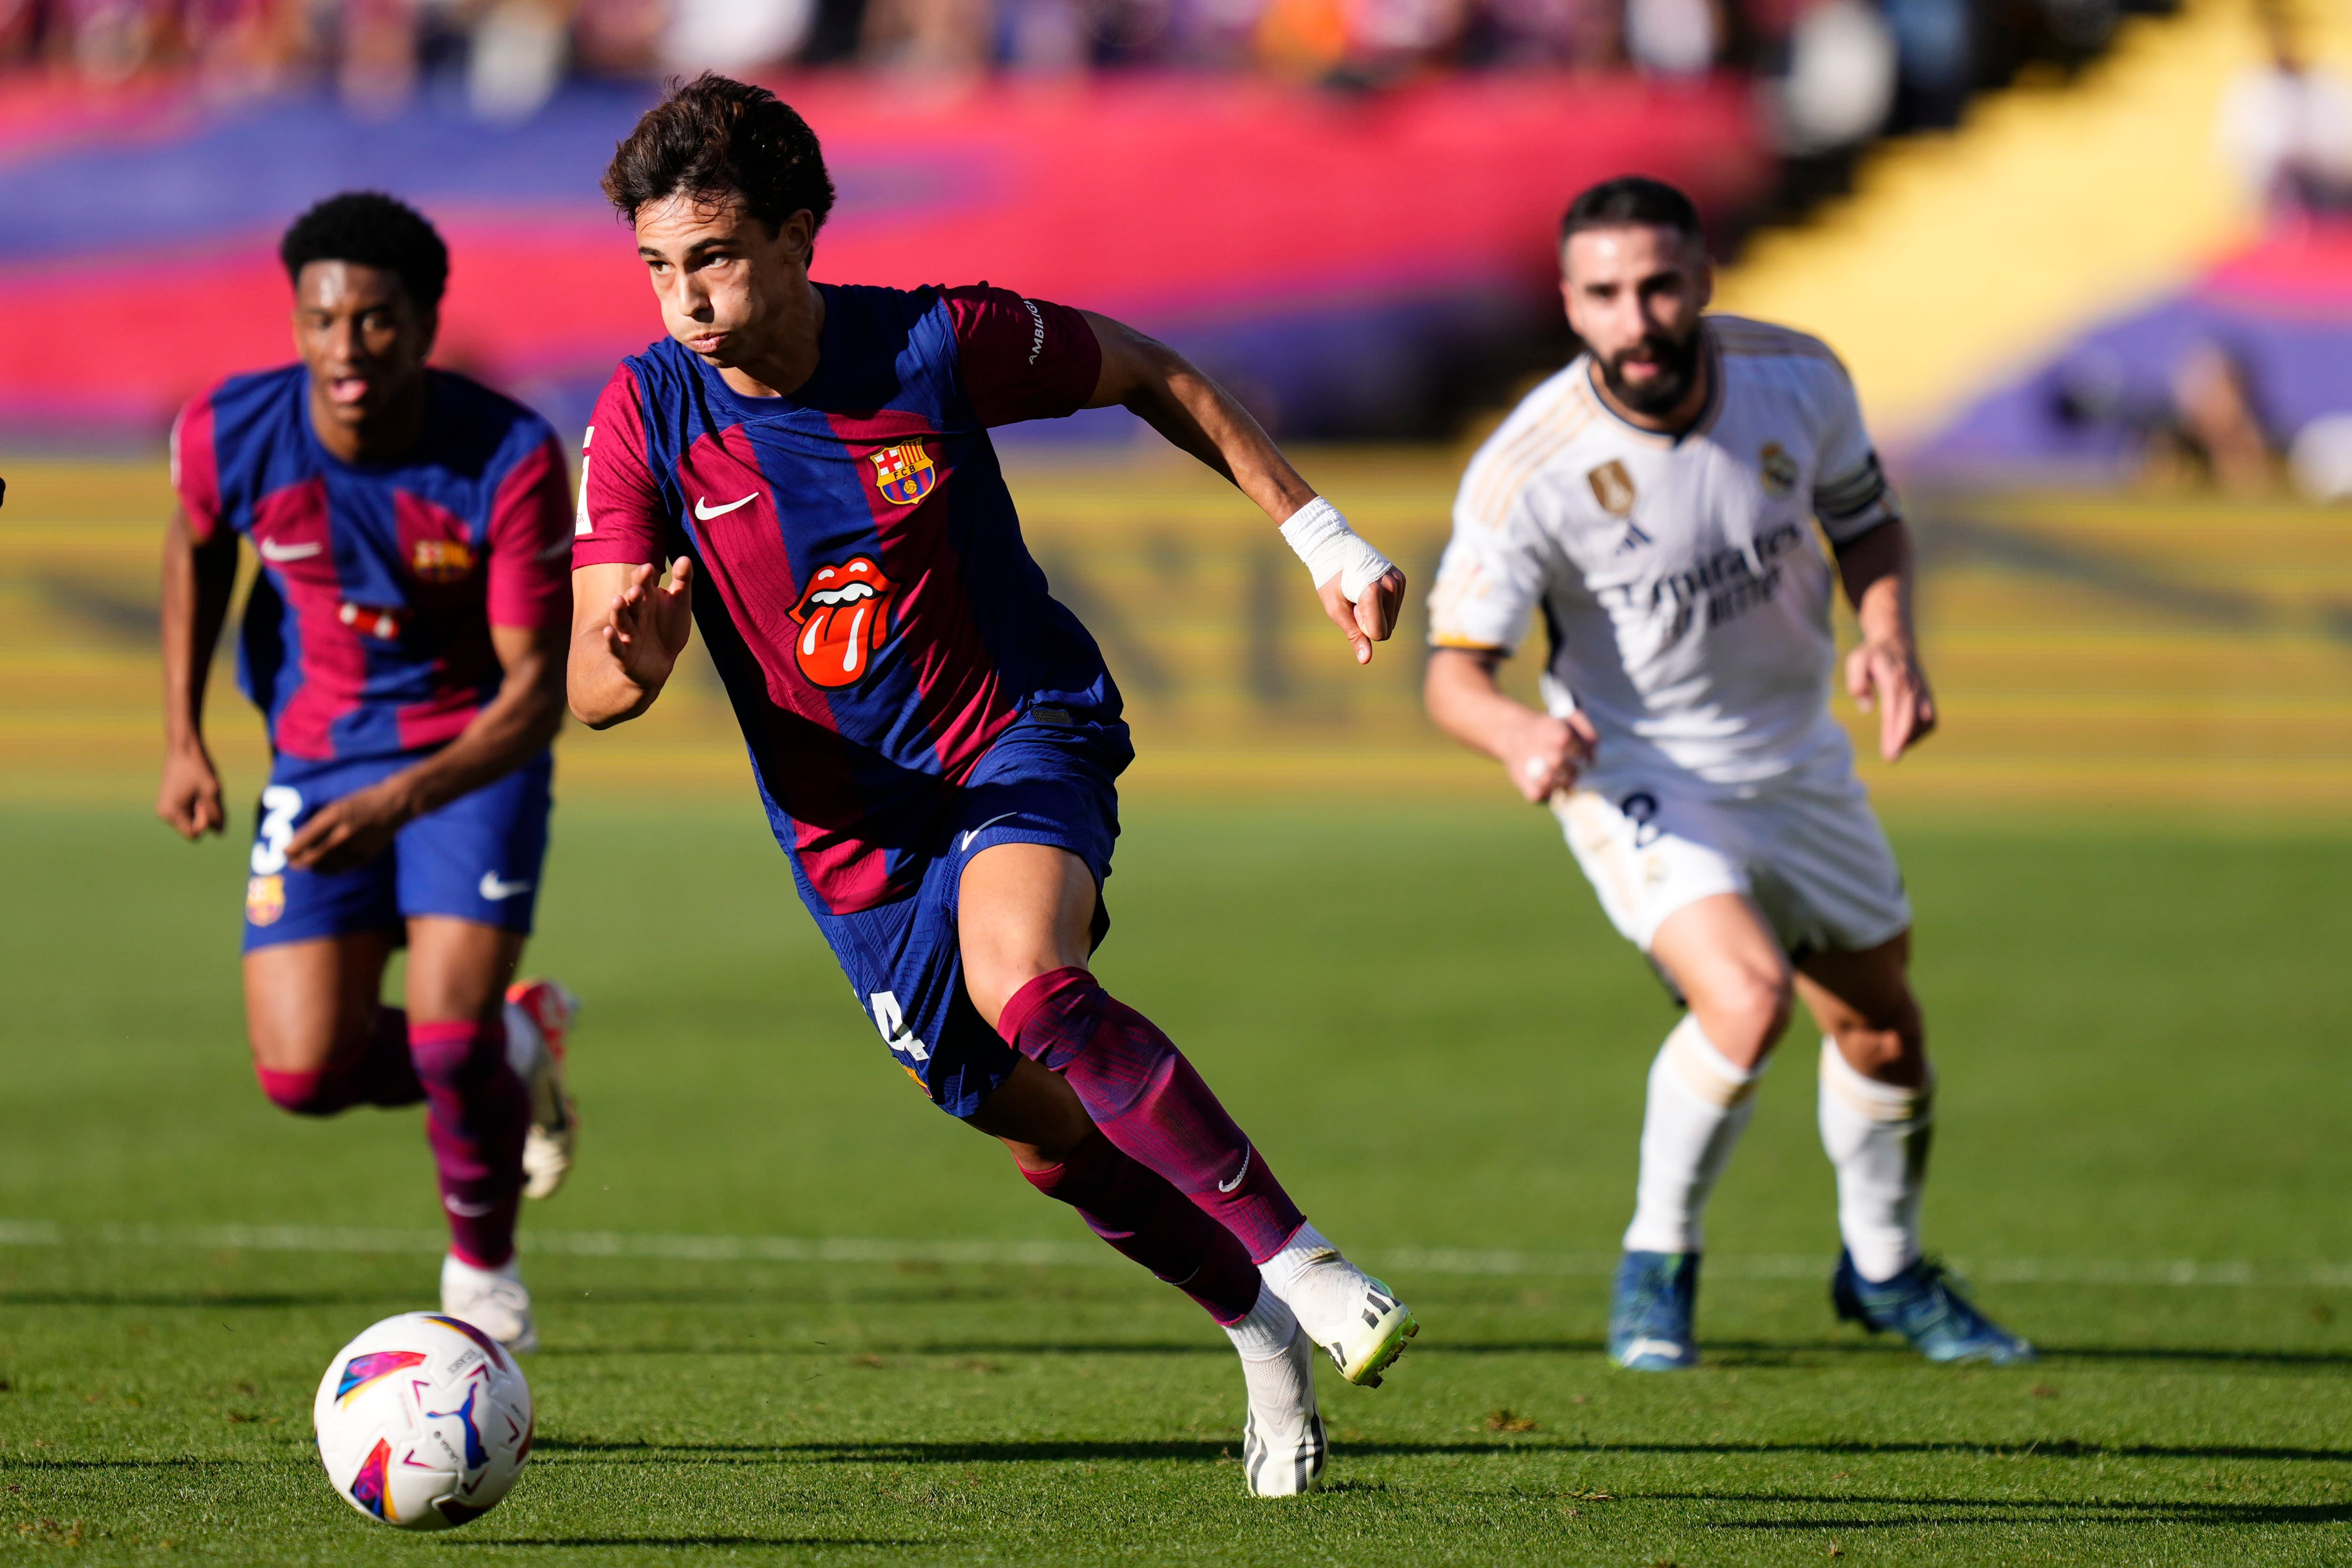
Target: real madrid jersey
{"points": [[863, 589], [367, 633], [1684, 594]]}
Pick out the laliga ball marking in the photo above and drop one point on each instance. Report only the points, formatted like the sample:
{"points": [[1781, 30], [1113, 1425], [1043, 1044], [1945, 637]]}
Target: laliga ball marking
{"points": [[423, 1422]]}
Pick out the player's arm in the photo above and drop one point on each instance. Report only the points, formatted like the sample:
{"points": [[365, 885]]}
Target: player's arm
{"points": [[199, 576], [1883, 672], [1360, 590], [1542, 754], [628, 628], [511, 728]]}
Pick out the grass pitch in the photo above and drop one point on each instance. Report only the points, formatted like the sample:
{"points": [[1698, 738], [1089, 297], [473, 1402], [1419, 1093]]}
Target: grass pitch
{"points": [[1423, 1020]]}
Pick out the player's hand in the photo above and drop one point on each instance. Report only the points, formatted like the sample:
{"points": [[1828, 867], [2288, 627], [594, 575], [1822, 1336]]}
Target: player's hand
{"points": [[650, 623], [1886, 676], [351, 831], [1371, 617], [190, 799], [1548, 753]]}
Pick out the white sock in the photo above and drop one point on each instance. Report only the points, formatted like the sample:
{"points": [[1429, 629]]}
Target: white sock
{"points": [[1699, 1105], [1876, 1135], [1305, 1246], [456, 1273], [1266, 1331]]}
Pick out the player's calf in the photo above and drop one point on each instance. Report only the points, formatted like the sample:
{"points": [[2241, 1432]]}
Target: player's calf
{"points": [[477, 1115]]}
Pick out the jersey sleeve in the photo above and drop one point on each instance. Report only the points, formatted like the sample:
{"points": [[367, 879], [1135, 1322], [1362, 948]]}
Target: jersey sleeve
{"points": [[621, 517], [196, 468], [1021, 359], [1492, 575], [1851, 495], [531, 584]]}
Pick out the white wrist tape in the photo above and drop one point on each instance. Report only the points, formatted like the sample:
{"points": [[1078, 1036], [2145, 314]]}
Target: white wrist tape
{"points": [[1332, 549]]}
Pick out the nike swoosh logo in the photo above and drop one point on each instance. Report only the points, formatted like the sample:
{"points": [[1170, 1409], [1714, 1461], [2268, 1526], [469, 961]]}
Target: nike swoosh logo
{"points": [[496, 891], [562, 547], [1247, 1154], [704, 511], [465, 1210], [273, 551], [986, 826]]}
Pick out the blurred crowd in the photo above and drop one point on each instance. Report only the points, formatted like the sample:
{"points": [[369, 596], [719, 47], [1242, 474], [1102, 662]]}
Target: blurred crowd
{"points": [[1837, 70]]}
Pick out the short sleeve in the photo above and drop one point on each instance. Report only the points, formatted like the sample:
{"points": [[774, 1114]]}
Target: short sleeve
{"points": [[1491, 576], [1021, 359], [196, 468], [531, 581], [1851, 495], [621, 517]]}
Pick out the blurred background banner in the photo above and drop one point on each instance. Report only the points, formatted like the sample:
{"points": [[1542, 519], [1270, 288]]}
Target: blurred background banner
{"points": [[1356, 264]]}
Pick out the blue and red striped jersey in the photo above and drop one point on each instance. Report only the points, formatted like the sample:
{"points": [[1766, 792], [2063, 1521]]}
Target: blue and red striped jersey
{"points": [[863, 588], [367, 632]]}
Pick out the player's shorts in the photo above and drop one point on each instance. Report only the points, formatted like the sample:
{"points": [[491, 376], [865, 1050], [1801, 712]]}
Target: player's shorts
{"points": [[1805, 847], [1040, 784], [477, 858]]}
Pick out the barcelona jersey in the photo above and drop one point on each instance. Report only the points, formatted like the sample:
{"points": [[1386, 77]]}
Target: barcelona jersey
{"points": [[863, 585], [367, 633]]}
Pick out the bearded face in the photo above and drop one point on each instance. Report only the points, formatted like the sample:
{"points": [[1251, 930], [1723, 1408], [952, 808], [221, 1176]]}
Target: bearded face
{"points": [[1655, 374]]}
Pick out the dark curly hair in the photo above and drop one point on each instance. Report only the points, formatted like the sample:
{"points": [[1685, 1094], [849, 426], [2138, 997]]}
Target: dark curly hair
{"points": [[373, 230], [715, 139], [1631, 201]]}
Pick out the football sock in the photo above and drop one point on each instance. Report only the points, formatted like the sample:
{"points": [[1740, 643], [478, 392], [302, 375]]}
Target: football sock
{"points": [[1876, 1135], [1149, 1100], [1699, 1104], [477, 1112], [1266, 1331], [1321, 1287], [383, 1074], [1144, 1218]]}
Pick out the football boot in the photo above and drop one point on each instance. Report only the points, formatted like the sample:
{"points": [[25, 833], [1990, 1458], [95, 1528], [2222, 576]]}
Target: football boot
{"points": [[494, 1300], [1355, 1318], [1283, 1445], [1924, 1305], [1650, 1313], [537, 1053]]}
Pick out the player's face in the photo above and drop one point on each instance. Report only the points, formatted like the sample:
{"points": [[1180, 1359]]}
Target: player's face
{"points": [[726, 284], [363, 339], [1634, 295]]}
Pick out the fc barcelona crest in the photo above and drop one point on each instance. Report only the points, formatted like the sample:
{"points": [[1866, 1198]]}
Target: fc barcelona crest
{"points": [[904, 473], [265, 900]]}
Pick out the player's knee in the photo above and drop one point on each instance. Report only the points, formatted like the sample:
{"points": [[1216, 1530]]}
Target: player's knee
{"points": [[301, 1093], [1750, 1008], [1894, 1051]]}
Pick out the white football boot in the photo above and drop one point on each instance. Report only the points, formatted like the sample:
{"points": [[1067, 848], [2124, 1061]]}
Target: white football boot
{"points": [[539, 1014], [494, 1300], [1355, 1318], [1283, 1446]]}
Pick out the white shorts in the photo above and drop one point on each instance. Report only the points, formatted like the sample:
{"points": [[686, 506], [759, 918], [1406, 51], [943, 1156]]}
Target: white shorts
{"points": [[1806, 847]]}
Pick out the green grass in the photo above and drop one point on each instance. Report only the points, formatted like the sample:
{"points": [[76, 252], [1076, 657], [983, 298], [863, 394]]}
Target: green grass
{"points": [[1421, 1016]]}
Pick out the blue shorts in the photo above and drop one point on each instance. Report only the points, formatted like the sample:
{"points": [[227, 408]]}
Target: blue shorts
{"points": [[1038, 784], [477, 858]]}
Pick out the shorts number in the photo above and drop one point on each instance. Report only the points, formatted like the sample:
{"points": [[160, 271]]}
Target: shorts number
{"points": [[891, 1019], [280, 807]]}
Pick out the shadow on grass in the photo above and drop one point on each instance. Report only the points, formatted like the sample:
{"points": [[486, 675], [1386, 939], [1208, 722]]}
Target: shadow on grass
{"points": [[675, 1542], [922, 1453], [1899, 1513]]}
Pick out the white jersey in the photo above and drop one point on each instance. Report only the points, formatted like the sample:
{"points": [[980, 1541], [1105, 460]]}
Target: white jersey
{"points": [[1685, 595]]}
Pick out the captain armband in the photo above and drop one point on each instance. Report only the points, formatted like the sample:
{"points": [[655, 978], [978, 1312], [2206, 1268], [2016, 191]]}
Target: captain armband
{"points": [[1852, 505], [1332, 549]]}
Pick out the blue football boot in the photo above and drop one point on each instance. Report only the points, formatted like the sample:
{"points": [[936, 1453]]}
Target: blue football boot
{"points": [[1927, 1307], [1650, 1318]]}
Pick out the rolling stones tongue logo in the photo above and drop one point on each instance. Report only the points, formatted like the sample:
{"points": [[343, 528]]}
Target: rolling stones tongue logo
{"points": [[845, 617]]}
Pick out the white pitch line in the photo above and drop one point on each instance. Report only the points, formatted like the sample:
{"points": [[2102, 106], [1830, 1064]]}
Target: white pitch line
{"points": [[1406, 1261]]}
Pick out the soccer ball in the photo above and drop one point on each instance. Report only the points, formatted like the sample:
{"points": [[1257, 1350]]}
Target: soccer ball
{"points": [[423, 1422]]}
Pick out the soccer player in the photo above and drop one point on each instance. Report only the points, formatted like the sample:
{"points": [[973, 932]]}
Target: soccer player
{"points": [[1656, 499], [803, 471], [403, 639]]}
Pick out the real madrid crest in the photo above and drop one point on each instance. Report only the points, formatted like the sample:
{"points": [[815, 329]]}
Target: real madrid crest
{"points": [[1613, 487], [1778, 469], [904, 473]]}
